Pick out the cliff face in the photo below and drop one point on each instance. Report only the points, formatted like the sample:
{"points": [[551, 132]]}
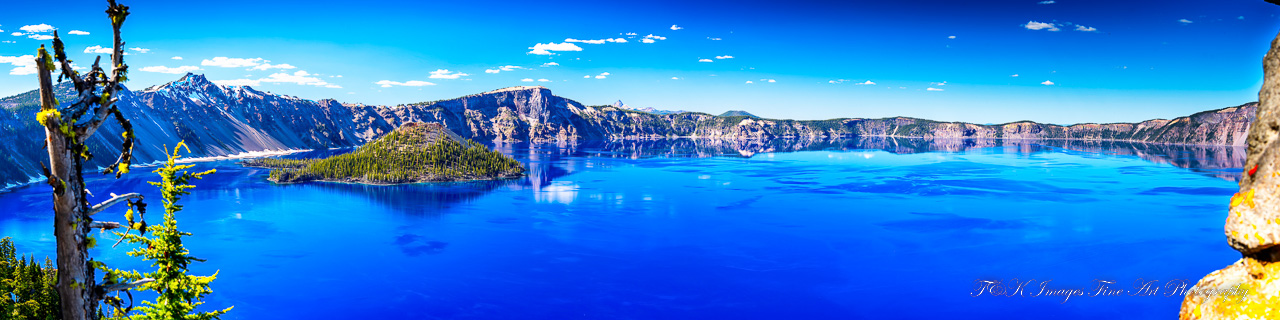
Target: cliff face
{"points": [[218, 120], [1250, 287]]}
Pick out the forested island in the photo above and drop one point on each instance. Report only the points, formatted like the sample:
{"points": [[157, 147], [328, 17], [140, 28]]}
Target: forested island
{"points": [[415, 152]]}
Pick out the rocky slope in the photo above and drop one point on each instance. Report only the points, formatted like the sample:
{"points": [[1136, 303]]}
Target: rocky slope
{"points": [[220, 120]]}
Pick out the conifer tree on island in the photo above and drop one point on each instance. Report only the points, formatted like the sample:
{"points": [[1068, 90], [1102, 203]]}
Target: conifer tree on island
{"points": [[67, 128]]}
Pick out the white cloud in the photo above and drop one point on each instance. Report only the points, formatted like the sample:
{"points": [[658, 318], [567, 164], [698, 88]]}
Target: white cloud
{"points": [[868, 83], [237, 82], [951, 37], [602, 75], [768, 80], [600, 41], [231, 62], [17, 34], [938, 83], [1048, 2], [713, 39], [78, 33], [749, 82], [837, 81], [1240, 17], [704, 60], [40, 36], [97, 49], [526, 80], [140, 50], [550, 64], [934, 89], [502, 68], [724, 57], [631, 33], [177, 70], [675, 27], [268, 66], [651, 36], [176, 58], [586, 77], [411, 83], [1034, 25], [446, 74], [1014, 75], [675, 78], [647, 40], [543, 80], [1085, 29], [300, 77], [23, 65], [39, 28], [1047, 83], [546, 48], [1185, 21], [333, 86]]}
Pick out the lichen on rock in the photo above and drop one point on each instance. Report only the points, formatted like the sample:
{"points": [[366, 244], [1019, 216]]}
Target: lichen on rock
{"points": [[1250, 287]]}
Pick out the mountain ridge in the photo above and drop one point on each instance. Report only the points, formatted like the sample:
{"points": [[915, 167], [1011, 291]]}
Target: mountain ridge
{"points": [[218, 120]]}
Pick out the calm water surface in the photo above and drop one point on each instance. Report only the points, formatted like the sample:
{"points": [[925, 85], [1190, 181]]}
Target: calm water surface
{"points": [[662, 230]]}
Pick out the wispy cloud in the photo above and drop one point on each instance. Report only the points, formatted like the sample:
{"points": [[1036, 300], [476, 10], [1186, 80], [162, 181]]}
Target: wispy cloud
{"points": [[749, 82], [705, 60], [140, 50], [176, 58], [22, 65], [1014, 75], [411, 83], [768, 80], [724, 57], [713, 39], [267, 66], [1048, 2], [17, 34], [675, 27], [838, 81], [446, 74], [600, 41], [934, 89], [547, 48], [37, 28], [1047, 83], [1086, 29], [502, 68], [651, 36], [225, 62], [1185, 21], [40, 37], [543, 80], [526, 80], [550, 64], [97, 49], [78, 33], [175, 70], [300, 77], [675, 78], [1035, 25]]}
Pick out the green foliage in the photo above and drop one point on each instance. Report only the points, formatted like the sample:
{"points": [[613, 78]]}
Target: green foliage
{"points": [[179, 293], [26, 287], [410, 154]]}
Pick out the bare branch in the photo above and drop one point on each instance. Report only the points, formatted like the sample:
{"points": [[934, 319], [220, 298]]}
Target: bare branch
{"points": [[114, 200], [105, 225], [126, 286]]}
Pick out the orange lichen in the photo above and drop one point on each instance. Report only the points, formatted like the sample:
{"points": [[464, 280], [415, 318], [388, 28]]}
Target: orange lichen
{"points": [[1254, 304]]}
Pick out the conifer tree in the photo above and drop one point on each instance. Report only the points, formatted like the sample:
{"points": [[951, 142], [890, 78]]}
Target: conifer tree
{"points": [[178, 292]]}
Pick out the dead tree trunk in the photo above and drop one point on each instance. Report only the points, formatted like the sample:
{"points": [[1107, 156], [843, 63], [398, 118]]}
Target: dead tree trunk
{"points": [[66, 130]]}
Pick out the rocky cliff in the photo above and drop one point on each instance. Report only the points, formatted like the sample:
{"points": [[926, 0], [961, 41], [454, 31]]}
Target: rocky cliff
{"points": [[1250, 287], [220, 120]]}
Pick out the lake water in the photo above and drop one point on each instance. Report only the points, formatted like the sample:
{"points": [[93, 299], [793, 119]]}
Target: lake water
{"points": [[874, 228]]}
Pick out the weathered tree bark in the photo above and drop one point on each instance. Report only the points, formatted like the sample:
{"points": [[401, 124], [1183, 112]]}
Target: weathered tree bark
{"points": [[65, 136]]}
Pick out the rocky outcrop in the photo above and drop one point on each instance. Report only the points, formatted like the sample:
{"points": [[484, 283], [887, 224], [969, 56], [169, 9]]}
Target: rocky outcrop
{"points": [[1250, 287], [224, 120]]}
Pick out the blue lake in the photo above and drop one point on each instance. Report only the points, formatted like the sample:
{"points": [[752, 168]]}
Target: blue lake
{"points": [[706, 230]]}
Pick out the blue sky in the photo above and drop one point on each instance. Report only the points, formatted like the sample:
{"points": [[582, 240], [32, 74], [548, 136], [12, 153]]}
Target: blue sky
{"points": [[1074, 61]]}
